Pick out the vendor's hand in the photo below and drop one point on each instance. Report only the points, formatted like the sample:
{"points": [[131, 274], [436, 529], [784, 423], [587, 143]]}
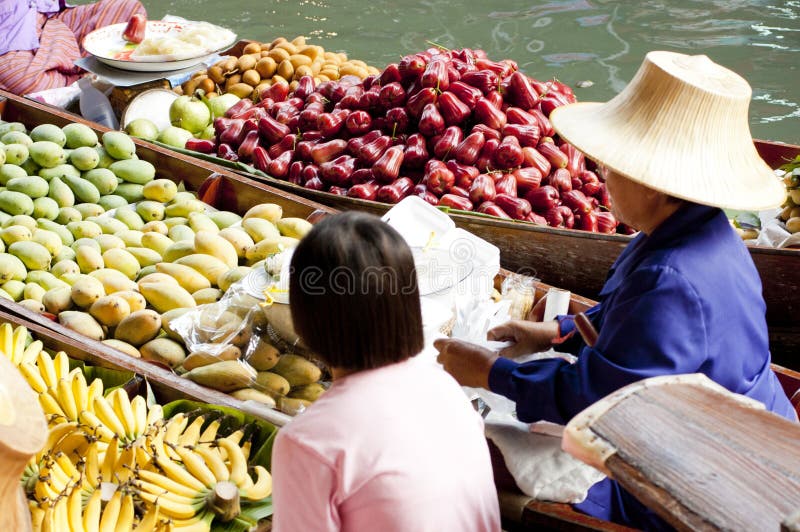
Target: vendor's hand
{"points": [[537, 311], [468, 363], [528, 337]]}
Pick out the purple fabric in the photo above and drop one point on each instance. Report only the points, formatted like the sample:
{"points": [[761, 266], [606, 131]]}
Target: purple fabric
{"points": [[18, 22]]}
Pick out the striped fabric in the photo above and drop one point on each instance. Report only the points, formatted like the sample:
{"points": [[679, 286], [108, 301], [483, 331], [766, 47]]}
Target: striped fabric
{"points": [[60, 36]]}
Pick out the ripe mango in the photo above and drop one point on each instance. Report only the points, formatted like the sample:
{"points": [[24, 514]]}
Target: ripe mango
{"points": [[83, 190], [187, 277], [157, 242], [14, 288], [50, 240], [82, 323], [294, 227], [113, 281], [297, 370], [161, 190], [110, 310], [90, 242], [65, 266], [232, 276], [199, 221], [184, 207], [131, 237], [139, 327], [166, 296], [207, 295], [21, 219], [67, 215], [239, 238], [33, 291], [136, 301], [209, 267], [34, 255], [15, 203], [16, 153], [225, 376], [163, 350], [15, 233], [10, 171], [57, 300], [272, 383], [134, 171], [122, 260], [168, 318], [110, 226], [268, 211], [150, 211], [33, 305], [129, 217], [66, 236], [216, 246], [260, 229], [45, 279], [249, 394], [118, 145], [179, 250], [156, 226], [145, 256], [86, 290], [157, 278], [89, 259], [264, 357], [124, 347]]}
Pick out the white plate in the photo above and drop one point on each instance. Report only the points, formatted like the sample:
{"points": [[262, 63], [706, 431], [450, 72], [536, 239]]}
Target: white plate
{"points": [[109, 47]]}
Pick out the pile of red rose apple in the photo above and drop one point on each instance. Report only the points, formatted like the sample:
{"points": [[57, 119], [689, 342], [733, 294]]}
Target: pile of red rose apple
{"points": [[450, 126]]}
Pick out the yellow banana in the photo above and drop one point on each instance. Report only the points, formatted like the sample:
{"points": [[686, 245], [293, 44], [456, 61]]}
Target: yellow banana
{"points": [[18, 338], [184, 509], [195, 465], [91, 469], [111, 513], [210, 434], [246, 446], [139, 407], [214, 461], [55, 434], [122, 407], [47, 369], [51, 407], [154, 414], [31, 374], [61, 365], [95, 390], [37, 512], [75, 511], [6, 341], [66, 399], [96, 427], [164, 483], [125, 520], [202, 524], [74, 444], [175, 427], [31, 352], [110, 461], [149, 520], [177, 473], [105, 412], [191, 435], [92, 512], [237, 461], [262, 488], [126, 464], [61, 513], [80, 391]]}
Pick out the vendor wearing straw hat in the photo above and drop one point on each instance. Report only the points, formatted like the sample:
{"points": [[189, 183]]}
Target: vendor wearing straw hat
{"points": [[684, 295]]}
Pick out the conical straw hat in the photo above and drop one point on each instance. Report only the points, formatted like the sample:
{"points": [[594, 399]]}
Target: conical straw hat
{"points": [[679, 127]]}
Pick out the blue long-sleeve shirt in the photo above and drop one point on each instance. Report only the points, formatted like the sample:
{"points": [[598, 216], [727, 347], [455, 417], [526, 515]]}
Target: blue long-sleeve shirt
{"points": [[685, 299]]}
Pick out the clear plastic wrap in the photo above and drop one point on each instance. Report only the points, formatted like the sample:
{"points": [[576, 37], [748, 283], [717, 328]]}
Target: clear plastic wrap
{"points": [[521, 291]]}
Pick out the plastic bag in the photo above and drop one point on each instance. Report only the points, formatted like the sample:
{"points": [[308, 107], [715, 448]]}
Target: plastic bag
{"points": [[520, 290]]}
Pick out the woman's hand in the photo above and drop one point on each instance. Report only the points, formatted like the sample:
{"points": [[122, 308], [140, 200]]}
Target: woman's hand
{"points": [[528, 336], [468, 363]]}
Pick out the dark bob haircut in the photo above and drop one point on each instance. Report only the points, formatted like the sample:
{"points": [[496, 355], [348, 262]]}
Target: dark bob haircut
{"points": [[353, 293]]}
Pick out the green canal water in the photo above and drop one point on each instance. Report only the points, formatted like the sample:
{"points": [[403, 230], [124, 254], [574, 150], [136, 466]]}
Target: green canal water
{"points": [[602, 41]]}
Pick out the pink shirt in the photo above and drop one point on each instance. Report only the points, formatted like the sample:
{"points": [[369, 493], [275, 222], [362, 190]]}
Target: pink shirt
{"points": [[397, 448]]}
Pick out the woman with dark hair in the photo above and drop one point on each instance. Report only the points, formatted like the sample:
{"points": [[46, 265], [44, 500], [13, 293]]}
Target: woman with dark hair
{"points": [[394, 444]]}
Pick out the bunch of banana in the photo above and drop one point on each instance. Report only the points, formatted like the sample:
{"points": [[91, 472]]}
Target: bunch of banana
{"points": [[14, 344]]}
